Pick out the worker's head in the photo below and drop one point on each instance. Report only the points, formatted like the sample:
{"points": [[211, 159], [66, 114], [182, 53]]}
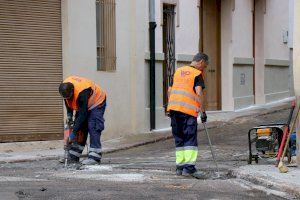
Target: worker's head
{"points": [[200, 61], [66, 90]]}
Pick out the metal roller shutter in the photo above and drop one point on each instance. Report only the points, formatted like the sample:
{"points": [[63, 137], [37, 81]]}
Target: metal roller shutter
{"points": [[30, 70]]}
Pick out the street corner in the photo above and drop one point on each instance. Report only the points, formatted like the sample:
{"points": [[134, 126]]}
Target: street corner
{"points": [[269, 176]]}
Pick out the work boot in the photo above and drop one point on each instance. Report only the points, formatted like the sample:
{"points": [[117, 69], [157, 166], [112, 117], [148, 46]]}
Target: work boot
{"points": [[178, 172], [197, 174], [90, 161]]}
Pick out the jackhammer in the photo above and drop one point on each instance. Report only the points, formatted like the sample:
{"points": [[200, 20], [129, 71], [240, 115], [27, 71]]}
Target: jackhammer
{"points": [[67, 145]]}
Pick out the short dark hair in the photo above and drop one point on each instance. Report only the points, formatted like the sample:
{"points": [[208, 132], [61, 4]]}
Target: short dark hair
{"points": [[200, 56], [66, 90]]}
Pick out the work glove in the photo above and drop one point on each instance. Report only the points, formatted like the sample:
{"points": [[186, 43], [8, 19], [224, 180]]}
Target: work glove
{"points": [[203, 117], [168, 114], [72, 137]]}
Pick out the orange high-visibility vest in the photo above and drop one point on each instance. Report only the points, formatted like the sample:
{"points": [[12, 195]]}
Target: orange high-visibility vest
{"points": [[182, 96], [96, 98]]}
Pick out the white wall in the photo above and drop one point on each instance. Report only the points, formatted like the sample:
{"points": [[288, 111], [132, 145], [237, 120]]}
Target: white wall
{"points": [[125, 87], [186, 42]]}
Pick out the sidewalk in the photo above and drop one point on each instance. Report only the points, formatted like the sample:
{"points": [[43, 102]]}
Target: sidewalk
{"points": [[270, 177], [41, 150], [266, 175]]}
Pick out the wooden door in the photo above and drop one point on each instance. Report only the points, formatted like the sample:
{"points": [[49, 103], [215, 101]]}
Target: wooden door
{"points": [[210, 45]]}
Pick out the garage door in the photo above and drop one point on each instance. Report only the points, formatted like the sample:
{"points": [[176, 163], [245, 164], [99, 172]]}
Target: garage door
{"points": [[30, 70]]}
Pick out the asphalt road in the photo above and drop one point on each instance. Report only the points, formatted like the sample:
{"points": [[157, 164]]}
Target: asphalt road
{"points": [[145, 172]]}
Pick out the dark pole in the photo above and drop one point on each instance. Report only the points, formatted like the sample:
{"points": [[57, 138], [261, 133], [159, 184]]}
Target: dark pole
{"points": [[152, 26]]}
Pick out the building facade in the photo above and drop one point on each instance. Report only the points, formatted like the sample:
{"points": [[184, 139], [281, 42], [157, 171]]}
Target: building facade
{"points": [[108, 41]]}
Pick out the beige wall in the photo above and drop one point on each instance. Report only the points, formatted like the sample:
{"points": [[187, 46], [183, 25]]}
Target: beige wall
{"points": [[226, 56], [242, 34], [242, 29], [271, 53], [296, 67], [259, 52], [274, 46], [276, 49]]}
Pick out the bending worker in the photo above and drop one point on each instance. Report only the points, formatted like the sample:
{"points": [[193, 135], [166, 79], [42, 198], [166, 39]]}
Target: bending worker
{"points": [[89, 102], [185, 102]]}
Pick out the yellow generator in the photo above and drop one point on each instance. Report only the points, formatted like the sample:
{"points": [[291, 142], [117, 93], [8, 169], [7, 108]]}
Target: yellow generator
{"points": [[265, 140]]}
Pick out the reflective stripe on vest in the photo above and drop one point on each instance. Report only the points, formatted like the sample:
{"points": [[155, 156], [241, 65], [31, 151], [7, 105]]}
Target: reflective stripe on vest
{"points": [[184, 105], [80, 84], [182, 96], [187, 94]]}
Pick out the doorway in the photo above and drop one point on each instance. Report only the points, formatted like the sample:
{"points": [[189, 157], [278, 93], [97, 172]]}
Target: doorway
{"points": [[210, 44]]}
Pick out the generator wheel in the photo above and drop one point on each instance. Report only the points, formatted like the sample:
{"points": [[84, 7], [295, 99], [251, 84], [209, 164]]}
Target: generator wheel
{"points": [[250, 159], [256, 159]]}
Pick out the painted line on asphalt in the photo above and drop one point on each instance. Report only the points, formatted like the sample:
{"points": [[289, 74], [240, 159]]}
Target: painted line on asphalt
{"points": [[17, 179]]}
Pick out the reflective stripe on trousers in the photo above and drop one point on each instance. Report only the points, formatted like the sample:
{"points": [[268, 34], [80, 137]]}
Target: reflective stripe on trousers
{"points": [[95, 127], [186, 155], [76, 150], [184, 130]]}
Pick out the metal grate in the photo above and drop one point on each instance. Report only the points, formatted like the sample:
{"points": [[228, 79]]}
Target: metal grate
{"points": [[30, 70], [169, 48], [106, 35]]}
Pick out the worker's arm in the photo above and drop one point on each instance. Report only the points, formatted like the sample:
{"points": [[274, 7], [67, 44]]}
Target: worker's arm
{"points": [[199, 92], [169, 92], [199, 87], [82, 112], [69, 112]]}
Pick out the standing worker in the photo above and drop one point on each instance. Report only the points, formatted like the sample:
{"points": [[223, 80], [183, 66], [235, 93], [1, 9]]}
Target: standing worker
{"points": [[89, 102], [185, 102]]}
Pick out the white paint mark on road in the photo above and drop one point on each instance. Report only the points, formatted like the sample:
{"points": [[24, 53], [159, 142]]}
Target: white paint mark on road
{"points": [[15, 179], [97, 168], [132, 177]]}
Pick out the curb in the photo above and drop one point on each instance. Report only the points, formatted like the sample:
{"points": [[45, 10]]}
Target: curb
{"points": [[166, 136], [266, 182]]}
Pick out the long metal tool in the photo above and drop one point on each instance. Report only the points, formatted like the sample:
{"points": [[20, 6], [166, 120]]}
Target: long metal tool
{"points": [[212, 152]]}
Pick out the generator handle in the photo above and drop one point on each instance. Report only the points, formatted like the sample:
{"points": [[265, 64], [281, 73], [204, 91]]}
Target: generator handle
{"points": [[250, 143]]}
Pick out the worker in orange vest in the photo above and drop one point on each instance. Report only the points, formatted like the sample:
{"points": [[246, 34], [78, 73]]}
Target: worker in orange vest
{"points": [[185, 102], [88, 100]]}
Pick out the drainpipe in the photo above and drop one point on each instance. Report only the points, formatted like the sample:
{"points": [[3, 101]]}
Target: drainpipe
{"points": [[152, 26]]}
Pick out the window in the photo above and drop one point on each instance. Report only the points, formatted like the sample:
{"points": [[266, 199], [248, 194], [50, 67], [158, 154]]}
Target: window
{"points": [[106, 35]]}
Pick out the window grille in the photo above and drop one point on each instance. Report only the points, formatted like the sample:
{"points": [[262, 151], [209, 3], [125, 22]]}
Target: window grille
{"points": [[106, 35]]}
